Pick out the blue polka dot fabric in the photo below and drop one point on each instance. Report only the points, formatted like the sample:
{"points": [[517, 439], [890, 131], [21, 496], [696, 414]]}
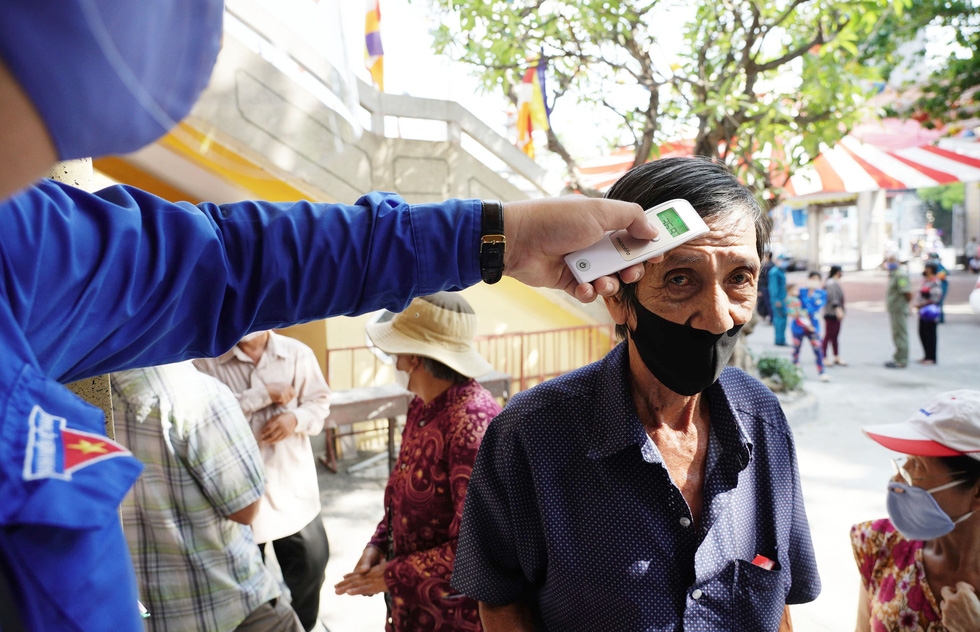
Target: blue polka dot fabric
{"points": [[571, 510]]}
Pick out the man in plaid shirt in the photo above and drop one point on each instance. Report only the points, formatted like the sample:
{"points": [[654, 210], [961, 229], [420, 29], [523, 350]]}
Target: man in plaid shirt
{"points": [[186, 517]]}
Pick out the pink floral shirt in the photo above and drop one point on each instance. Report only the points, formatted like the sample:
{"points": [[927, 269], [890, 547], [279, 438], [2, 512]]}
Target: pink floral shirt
{"points": [[424, 506], [893, 573]]}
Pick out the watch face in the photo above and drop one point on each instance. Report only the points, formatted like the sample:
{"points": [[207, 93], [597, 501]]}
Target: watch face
{"points": [[672, 222]]}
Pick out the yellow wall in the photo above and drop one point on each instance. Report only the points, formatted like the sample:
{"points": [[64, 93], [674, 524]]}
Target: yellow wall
{"points": [[506, 307], [314, 335]]}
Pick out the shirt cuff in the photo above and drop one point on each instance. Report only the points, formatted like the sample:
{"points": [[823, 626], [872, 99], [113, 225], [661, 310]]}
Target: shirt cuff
{"points": [[255, 399], [457, 223], [307, 423]]}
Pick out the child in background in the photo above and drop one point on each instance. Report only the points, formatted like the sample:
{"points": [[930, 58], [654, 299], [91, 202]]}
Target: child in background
{"points": [[803, 324], [813, 297]]}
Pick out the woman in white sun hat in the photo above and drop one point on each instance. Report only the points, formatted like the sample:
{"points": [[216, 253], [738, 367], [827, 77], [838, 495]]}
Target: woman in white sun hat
{"points": [[920, 567], [412, 553]]}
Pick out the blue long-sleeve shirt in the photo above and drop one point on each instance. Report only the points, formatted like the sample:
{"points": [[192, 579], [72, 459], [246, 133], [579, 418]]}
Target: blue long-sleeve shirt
{"points": [[94, 283]]}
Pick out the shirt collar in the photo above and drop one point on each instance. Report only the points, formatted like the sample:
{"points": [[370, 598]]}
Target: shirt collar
{"points": [[616, 426], [442, 399], [726, 423], [274, 347]]}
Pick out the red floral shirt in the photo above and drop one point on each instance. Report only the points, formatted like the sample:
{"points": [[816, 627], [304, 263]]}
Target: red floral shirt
{"points": [[892, 571], [424, 506]]}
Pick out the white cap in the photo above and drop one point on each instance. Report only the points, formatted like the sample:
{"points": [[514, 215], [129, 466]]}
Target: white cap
{"points": [[948, 425]]}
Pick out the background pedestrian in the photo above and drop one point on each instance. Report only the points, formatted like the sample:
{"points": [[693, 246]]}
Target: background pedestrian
{"points": [[833, 315]]}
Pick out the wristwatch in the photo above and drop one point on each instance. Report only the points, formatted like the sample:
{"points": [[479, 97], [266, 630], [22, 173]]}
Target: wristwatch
{"points": [[492, 241]]}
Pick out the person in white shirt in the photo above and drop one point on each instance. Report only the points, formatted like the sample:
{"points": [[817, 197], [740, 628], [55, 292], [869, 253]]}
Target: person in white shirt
{"points": [[283, 394]]}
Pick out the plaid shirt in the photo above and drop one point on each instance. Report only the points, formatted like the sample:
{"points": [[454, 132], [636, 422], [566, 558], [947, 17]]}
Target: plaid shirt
{"points": [[196, 569]]}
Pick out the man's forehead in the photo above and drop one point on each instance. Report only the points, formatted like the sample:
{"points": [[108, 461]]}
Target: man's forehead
{"points": [[690, 255], [726, 231]]}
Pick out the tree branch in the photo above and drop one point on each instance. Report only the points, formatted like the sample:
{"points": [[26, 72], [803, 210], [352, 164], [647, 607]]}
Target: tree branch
{"points": [[798, 51]]}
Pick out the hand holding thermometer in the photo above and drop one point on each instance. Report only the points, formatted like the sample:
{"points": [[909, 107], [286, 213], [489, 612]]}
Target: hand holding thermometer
{"points": [[677, 222]]}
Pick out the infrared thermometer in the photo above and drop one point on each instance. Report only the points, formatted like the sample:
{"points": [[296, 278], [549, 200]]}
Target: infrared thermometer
{"points": [[677, 222]]}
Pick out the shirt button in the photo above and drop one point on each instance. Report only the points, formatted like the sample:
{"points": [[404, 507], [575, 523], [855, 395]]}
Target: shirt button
{"points": [[685, 521], [696, 594], [421, 423]]}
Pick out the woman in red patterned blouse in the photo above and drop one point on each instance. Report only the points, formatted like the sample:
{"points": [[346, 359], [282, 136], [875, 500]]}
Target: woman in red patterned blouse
{"points": [[410, 557], [920, 568]]}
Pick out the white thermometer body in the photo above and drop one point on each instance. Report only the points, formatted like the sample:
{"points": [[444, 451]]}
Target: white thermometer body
{"points": [[677, 221]]}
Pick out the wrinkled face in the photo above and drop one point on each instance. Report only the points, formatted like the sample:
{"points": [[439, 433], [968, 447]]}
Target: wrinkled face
{"points": [[708, 283], [930, 472], [923, 471]]}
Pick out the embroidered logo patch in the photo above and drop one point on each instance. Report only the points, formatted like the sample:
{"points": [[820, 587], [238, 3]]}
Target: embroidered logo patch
{"points": [[56, 451]]}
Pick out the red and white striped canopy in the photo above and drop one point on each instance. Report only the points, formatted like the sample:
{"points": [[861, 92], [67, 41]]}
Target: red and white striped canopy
{"points": [[852, 167], [886, 154], [601, 173]]}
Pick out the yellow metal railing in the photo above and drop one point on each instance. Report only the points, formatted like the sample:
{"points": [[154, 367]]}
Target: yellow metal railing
{"points": [[528, 357]]}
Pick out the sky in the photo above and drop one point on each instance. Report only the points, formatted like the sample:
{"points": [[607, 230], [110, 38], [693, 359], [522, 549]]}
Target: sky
{"points": [[411, 67]]}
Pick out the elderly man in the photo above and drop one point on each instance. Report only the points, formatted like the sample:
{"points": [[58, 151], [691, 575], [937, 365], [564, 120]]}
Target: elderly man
{"points": [[281, 390], [122, 279], [411, 554], [654, 489]]}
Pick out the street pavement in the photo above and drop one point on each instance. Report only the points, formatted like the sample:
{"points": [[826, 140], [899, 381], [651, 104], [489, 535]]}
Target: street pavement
{"points": [[843, 472]]}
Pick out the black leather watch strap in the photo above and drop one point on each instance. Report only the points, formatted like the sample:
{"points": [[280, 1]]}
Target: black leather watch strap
{"points": [[492, 241]]}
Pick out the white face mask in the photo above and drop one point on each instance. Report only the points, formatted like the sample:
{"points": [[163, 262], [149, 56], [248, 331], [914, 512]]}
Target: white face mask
{"points": [[401, 378]]}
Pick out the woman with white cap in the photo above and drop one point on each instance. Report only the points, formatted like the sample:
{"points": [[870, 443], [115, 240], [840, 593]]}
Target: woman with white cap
{"points": [[920, 567], [412, 552]]}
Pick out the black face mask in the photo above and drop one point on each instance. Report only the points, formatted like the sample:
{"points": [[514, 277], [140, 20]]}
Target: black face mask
{"points": [[684, 359]]}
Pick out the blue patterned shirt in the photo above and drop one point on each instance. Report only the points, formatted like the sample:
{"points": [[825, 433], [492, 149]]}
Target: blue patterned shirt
{"points": [[571, 509]]}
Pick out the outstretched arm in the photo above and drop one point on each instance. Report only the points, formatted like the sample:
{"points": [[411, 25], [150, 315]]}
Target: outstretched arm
{"points": [[120, 279]]}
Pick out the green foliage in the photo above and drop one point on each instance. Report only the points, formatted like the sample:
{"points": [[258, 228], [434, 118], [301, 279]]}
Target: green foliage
{"points": [[748, 76], [780, 370], [948, 94], [943, 197]]}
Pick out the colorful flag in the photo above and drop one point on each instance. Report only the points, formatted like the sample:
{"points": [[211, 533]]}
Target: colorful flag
{"points": [[373, 51], [532, 111]]}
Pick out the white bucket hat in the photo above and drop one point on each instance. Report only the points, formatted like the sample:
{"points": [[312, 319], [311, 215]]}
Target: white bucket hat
{"points": [[441, 326], [948, 425]]}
